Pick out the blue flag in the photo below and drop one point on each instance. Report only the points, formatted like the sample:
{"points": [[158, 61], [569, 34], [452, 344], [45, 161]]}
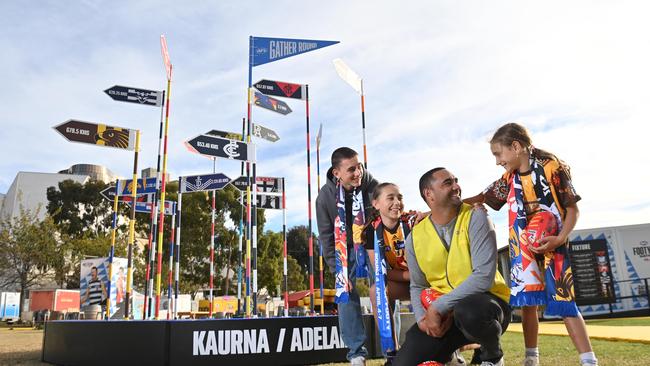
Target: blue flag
{"points": [[264, 50], [147, 186]]}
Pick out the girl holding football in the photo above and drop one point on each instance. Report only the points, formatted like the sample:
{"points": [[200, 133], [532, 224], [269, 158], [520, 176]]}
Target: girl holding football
{"points": [[542, 213]]}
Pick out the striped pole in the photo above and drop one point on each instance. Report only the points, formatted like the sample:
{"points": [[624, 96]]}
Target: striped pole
{"points": [[320, 245], [284, 239], [146, 306], [363, 127], [161, 216], [148, 289], [249, 108], [240, 279], [248, 244], [214, 199], [171, 269], [311, 241], [178, 247], [112, 252], [134, 193], [253, 204], [241, 263]]}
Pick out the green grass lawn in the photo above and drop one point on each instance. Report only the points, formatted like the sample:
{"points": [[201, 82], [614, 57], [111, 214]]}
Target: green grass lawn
{"points": [[621, 321], [639, 321], [559, 351]]}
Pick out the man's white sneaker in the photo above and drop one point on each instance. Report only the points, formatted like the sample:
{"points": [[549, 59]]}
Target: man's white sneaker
{"points": [[531, 361], [358, 361], [499, 363], [456, 359]]}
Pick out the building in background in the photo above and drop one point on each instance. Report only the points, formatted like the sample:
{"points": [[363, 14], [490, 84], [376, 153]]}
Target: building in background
{"points": [[149, 173], [29, 189], [29, 192], [153, 173], [96, 172]]}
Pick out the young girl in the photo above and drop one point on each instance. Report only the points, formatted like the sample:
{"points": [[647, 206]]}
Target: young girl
{"points": [[391, 226], [537, 188]]}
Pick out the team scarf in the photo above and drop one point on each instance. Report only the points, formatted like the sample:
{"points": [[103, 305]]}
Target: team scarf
{"points": [[381, 298], [529, 285], [340, 242]]}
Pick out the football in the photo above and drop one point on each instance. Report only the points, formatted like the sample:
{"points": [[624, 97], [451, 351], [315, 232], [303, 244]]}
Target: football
{"points": [[428, 296], [540, 225]]}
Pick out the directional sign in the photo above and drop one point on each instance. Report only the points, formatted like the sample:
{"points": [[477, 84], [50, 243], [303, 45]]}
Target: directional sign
{"points": [[267, 202], [264, 133], [225, 134], [97, 134], [271, 104], [280, 89], [170, 207], [264, 184], [204, 182], [135, 95], [109, 194], [221, 147], [148, 186]]}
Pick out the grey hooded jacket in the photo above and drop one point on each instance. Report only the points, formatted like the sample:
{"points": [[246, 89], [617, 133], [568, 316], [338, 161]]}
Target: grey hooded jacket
{"points": [[326, 212]]}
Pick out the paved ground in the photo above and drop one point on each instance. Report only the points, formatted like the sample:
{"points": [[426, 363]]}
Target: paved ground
{"points": [[613, 333], [21, 347]]}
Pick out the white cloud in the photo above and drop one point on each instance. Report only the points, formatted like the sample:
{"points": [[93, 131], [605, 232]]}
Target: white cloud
{"points": [[439, 78]]}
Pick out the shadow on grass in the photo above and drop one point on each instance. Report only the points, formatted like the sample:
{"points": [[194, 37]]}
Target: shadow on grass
{"points": [[559, 351], [27, 358]]}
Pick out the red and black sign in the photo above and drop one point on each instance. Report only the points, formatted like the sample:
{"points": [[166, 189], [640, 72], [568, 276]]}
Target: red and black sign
{"points": [[280, 89]]}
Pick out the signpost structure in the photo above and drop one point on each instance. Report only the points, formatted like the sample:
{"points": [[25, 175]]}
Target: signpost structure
{"points": [[263, 50], [198, 183], [122, 138]]}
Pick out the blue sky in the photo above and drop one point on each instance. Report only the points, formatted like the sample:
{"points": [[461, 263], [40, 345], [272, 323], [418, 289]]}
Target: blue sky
{"points": [[439, 77]]}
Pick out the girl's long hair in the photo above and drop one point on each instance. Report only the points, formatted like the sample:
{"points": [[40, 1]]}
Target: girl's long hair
{"points": [[511, 132]]}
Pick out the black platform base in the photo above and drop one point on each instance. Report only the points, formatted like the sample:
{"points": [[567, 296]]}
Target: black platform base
{"points": [[257, 342]]}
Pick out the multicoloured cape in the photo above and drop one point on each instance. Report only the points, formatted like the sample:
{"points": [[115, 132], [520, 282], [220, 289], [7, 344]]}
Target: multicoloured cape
{"points": [[538, 282]]}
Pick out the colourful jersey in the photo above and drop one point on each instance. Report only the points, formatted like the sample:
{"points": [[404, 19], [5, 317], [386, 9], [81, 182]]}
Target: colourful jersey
{"points": [[496, 194]]}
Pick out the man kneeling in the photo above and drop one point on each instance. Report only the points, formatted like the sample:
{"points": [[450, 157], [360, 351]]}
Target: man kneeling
{"points": [[452, 257]]}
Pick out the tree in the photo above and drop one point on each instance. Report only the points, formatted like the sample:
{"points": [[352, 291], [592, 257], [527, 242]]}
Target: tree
{"points": [[27, 250], [269, 261], [195, 236], [298, 247], [71, 250], [295, 276], [78, 208], [84, 219]]}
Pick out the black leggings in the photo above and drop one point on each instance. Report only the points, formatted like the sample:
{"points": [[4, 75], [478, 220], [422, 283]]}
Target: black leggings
{"points": [[480, 318]]}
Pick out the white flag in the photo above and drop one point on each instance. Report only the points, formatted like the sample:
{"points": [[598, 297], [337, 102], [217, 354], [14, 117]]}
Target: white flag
{"points": [[320, 134], [348, 75]]}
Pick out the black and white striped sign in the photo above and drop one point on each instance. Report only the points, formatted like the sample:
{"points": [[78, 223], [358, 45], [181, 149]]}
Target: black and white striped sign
{"points": [[135, 95]]}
